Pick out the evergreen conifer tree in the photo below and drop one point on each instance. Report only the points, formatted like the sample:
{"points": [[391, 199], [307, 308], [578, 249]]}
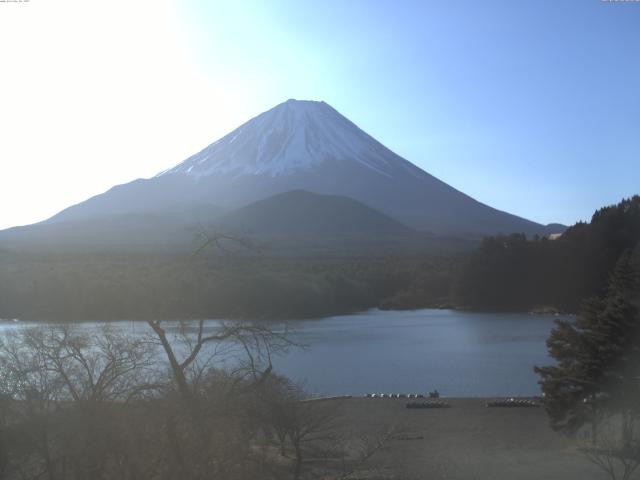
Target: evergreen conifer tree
{"points": [[598, 355]]}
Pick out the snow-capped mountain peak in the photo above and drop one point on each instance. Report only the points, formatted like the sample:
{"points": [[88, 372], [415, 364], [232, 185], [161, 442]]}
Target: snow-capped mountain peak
{"points": [[294, 136], [302, 145]]}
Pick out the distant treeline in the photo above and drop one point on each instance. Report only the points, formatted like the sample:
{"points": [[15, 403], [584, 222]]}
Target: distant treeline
{"points": [[513, 273], [503, 273], [107, 286]]}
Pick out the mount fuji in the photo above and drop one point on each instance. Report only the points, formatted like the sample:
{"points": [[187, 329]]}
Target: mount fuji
{"points": [[306, 147]]}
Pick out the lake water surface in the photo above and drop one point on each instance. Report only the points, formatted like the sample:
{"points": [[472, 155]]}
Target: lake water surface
{"points": [[459, 353]]}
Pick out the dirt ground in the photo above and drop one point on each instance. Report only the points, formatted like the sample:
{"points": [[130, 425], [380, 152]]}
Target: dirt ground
{"points": [[467, 441]]}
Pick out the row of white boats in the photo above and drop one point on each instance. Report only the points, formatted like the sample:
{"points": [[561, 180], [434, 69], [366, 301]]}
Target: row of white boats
{"points": [[400, 395], [433, 402]]}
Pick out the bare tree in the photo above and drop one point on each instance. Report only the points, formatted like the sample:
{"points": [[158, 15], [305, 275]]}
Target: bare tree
{"points": [[616, 449], [257, 341], [304, 429], [355, 450], [65, 389], [214, 368]]}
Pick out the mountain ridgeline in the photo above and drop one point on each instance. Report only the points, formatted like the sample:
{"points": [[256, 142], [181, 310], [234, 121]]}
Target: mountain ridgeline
{"points": [[330, 221], [265, 166]]}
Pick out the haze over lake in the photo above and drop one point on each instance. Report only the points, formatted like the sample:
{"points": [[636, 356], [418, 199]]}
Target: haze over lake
{"points": [[459, 353]]}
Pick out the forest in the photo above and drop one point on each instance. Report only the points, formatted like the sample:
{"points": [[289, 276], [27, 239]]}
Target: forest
{"points": [[106, 286], [515, 273]]}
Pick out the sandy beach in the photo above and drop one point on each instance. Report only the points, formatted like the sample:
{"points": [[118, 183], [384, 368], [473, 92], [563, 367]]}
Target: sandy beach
{"points": [[467, 441]]}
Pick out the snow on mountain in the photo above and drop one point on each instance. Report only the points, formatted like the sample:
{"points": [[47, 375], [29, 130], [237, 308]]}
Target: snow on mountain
{"points": [[292, 137], [302, 145]]}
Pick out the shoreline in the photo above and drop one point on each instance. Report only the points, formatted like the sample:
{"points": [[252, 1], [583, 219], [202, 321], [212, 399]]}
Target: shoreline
{"points": [[468, 441], [426, 397], [549, 313]]}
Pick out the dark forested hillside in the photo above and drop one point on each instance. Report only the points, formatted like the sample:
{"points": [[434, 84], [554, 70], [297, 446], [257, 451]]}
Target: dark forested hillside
{"points": [[504, 273], [511, 272], [108, 286]]}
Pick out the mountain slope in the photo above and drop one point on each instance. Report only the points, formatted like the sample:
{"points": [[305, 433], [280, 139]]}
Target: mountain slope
{"points": [[117, 233], [305, 145], [303, 213], [295, 223]]}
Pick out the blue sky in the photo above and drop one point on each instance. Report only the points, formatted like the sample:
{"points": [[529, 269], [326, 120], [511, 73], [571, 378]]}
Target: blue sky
{"points": [[531, 106]]}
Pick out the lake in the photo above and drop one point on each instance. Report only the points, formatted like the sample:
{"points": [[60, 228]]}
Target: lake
{"points": [[459, 353]]}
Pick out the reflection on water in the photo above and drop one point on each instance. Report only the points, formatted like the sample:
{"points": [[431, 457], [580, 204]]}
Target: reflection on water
{"points": [[459, 353]]}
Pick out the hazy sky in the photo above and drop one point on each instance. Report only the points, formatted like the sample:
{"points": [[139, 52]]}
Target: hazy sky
{"points": [[530, 106]]}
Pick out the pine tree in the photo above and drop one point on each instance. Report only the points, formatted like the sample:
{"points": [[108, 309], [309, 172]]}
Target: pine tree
{"points": [[598, 355]]}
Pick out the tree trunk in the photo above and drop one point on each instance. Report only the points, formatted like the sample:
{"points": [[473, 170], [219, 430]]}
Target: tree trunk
{"points": [[174, 445], [298, 463]]}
